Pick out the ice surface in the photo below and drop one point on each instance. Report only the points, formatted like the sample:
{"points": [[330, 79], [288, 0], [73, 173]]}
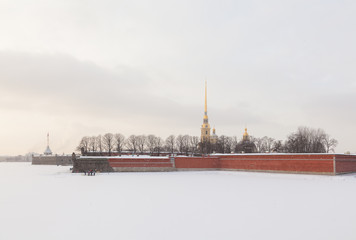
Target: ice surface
{"points": [[50, 203]]}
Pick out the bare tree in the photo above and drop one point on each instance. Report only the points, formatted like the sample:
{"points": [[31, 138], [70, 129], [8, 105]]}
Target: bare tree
{"points": [[278, 146], [132, 144], [234, 143], [99, 142], [119, 142], [330, 143], [264, 144], [171, 143], [268, 144], [158, 145], [151, 143], [185, 141], [194, 144], [108, 141], [180, 143], [92, 144], [141, 143], [259, 143], [221, 145], [83, 145], [207, 147], [309, 140], [229, 145], [224, 144]]}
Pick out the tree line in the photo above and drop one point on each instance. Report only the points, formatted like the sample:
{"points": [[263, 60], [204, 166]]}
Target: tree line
{"points": [[139, 144], [304, 140]]}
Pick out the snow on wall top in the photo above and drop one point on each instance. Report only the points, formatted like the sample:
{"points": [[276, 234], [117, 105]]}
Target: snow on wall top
{"points": [[128, 157], [267, 154]]}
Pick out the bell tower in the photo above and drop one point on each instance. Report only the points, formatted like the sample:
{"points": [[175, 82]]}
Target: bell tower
{"points": [[48, 150], [205, 128]]}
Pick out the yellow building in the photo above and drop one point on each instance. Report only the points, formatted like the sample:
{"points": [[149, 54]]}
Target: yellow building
{"points": [[205, 128]]}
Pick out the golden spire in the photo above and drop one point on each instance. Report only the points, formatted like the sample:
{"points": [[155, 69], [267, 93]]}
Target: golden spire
{"points": [[205, 128], [206, 104]]}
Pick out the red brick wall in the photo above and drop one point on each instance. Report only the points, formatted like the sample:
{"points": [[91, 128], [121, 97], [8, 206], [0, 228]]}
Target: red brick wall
{"points": [[313, 163], [286, 163], [280, 156], [345, 163], [197, 162]]}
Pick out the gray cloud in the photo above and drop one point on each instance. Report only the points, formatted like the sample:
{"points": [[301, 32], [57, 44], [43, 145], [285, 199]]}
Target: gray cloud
{"points": [[62, 80]]}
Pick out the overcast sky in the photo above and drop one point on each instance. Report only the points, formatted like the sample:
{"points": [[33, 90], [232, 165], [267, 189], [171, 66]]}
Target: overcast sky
{"points": [[81, 68]]}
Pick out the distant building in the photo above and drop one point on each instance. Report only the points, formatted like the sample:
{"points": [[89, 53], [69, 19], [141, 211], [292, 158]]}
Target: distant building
{"points": [[63, 160], [49, 159], [245, 145], [205, 136]]}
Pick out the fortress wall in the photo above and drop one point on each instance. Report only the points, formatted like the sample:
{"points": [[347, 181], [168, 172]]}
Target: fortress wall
{"points": [[196, 163], [330, 164], [44, 160], [87, 164], [144, 169], [52, 160], [345, 164], [282, 156], [289, 163]]}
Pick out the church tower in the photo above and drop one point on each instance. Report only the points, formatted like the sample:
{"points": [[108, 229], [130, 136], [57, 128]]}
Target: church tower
{"points": [[48, 150], [205, 128]]}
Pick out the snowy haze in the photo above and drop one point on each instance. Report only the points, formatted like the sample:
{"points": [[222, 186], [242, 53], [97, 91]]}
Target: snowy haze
{"points": [[49, 202], [82, 68]]}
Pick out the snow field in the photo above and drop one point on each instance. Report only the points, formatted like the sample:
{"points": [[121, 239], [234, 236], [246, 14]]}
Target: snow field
{"points": [[49, 202]]}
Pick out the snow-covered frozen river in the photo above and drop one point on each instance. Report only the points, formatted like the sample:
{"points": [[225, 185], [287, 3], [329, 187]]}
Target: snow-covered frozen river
{"points": [[50, 203]]}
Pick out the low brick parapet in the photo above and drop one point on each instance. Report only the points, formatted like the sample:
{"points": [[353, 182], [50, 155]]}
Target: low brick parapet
{"points": [[330, 164]]}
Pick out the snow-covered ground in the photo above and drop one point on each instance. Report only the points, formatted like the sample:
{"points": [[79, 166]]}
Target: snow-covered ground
{"points": [[50, 203]]}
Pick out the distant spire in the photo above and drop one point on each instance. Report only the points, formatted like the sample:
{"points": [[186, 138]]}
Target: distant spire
{"points": [[206, 101], [48, 150], [245, 136], [205, 128], [206, 104]]}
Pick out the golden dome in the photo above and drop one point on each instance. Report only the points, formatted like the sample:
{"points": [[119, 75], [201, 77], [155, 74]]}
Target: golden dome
{"points": [[245, 133]]}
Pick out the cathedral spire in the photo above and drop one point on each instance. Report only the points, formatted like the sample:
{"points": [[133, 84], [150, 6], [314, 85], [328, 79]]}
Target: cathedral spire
{"points": [[205, 128], [206, 101], [48, 150], [206, 105]]}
